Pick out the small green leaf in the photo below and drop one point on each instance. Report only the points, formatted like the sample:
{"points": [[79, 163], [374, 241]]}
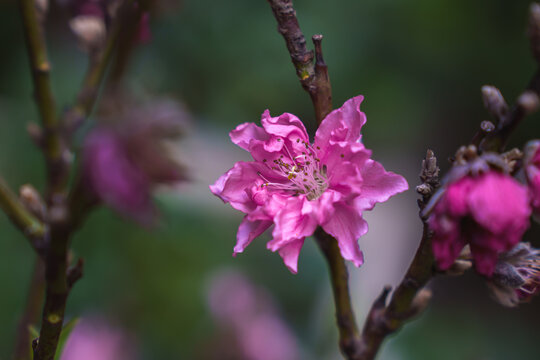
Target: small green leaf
{"points": [[64, 335]]}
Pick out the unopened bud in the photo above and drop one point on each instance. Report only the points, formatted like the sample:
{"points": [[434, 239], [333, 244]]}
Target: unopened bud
{"points": [[421, 301], [534, 30], [90, 31], [31, 198], [459, 267], [41, 7], [35, 133], [528, 101], [494, 101]]}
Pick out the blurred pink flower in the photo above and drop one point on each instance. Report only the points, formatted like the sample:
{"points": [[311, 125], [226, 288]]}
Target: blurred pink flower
{"points": [[122, 164], [490, 212], [532, 172], [248, 316], [298, 186], [95, 339]]}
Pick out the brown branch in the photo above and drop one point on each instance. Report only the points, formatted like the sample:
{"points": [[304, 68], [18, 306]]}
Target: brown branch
{"points": [[32, 311], [121, 33], [54, 147], [349, 336], [410, 297], [56, 293], [313, 75], [507, 120]]}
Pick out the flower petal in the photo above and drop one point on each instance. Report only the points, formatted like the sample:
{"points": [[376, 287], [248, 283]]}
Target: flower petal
{"points": [[290, 252], [285, 126], [232, 187], [343, 124], [247, 231], [114, 178], [245, 133], [346, 225], [500, 204], [296, 220], [378, 185]]}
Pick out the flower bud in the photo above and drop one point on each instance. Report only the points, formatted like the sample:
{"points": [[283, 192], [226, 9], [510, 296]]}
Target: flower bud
{"points": [[534, 30], [494, 101], [31, 198], [488, 210], [90, 31]]}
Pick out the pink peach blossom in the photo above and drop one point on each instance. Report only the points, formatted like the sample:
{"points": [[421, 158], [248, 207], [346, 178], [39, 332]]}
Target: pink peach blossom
{"points": [[297, 186], [490, 212]]}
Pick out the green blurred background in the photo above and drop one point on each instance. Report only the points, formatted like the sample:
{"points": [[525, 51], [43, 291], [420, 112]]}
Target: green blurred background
{"points": [[420, 65]]}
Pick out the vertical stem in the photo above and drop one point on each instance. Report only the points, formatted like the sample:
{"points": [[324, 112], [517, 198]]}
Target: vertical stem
{"points": [[349, 338], [56, 294], [32, 310]]}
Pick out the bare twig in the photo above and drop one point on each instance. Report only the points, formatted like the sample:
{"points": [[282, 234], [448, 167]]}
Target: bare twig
{"points": [[124, 24], [31, 312], [410, 297], [55, 141], [526, 103], [313, 75], [30, 226]]}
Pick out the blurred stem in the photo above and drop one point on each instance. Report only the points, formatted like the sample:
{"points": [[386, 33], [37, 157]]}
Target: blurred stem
{"points": [[34, 302], [56, 293], [97, 68], [24, 220], [61, 219], [53, 146]]}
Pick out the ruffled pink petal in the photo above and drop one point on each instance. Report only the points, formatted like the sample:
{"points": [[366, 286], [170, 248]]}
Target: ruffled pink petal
{"points": [[290, 252], [500, 204], [346, 225], [343, 124], [245, 133], [232, 186], [247, 231], [378, 185], [284, 126], [296, 220], [325, 205]]}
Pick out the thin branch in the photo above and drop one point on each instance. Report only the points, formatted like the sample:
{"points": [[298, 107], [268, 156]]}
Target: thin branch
{"points": [[53, 144], [56, 294], [410, 297], [97, 66], [32, 311], [22, 218], [349, 336], [313, 75], [528, 102]]}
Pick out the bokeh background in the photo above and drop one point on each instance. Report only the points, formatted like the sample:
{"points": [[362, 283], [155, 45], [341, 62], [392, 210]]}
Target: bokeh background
{"points": [[420, 65]]}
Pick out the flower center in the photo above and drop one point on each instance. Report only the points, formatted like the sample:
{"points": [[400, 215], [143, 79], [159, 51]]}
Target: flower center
{"points": [[302, 174]]}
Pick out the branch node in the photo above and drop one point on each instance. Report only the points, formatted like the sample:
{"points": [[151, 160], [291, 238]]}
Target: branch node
{"points": [[75, 272]]}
